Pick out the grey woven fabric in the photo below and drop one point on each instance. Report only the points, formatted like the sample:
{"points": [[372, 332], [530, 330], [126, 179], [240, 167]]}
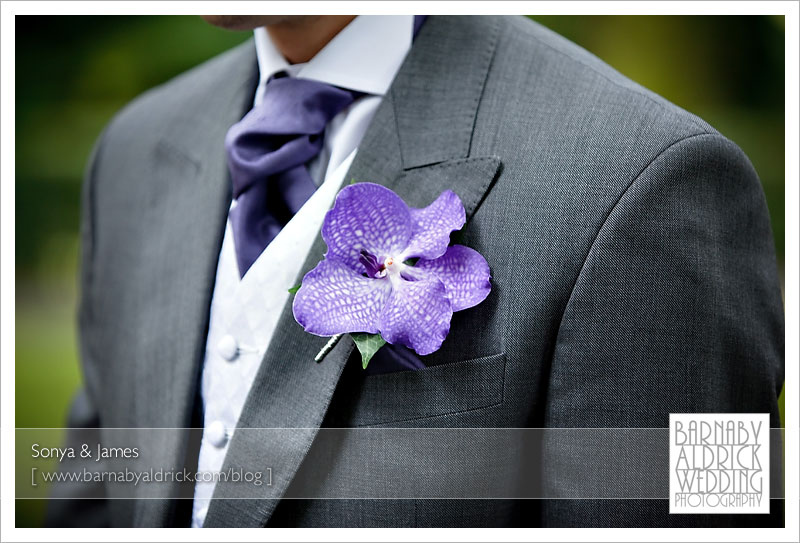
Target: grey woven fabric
{"points": [[633, 271]]}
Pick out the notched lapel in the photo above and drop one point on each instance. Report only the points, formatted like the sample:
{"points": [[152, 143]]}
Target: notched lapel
{"points": [[437, 92], [471, 178]]}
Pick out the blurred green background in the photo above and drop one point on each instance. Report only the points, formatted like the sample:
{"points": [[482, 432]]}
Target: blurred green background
{"points": [[73, 73]]}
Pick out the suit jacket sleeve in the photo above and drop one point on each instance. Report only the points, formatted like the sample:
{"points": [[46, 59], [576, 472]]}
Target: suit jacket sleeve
{"points": [[83, 505], [677, 309]]}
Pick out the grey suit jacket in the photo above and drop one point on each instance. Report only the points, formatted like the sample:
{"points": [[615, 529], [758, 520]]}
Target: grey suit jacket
{"points": [[633, 267]]}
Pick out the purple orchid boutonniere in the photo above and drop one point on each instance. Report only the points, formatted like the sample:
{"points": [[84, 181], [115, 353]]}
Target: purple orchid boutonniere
{"points": [[390, 274]]}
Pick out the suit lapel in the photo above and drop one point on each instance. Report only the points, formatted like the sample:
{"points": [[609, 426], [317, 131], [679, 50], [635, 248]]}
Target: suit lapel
{"points": [[417, 144]]}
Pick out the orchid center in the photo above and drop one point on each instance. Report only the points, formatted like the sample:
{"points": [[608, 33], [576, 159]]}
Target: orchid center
{"points": [[376, 268]]}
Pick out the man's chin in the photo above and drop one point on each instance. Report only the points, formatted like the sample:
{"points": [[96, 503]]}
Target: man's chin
{"points": [[249, 22]]}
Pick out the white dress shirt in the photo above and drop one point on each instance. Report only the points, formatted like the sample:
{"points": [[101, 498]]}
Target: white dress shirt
{"points": [[364, 56]]}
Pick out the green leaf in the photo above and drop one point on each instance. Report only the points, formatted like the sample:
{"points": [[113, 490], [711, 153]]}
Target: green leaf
{"points": [[294, 289], [353, 181], [411, 261], [368, 345]]}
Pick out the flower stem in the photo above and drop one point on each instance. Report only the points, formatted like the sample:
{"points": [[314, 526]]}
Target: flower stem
{"points": [[328, 347]]}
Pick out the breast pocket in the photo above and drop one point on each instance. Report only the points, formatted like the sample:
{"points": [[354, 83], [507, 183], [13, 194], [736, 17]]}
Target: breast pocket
{"points": [[429, 392]]}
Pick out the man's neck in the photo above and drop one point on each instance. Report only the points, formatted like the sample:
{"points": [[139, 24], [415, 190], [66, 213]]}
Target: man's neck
{"points": [[299, 40]]}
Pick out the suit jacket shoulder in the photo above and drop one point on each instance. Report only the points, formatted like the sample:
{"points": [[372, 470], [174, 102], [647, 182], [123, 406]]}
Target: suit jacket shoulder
{"points": [[546, 98]]}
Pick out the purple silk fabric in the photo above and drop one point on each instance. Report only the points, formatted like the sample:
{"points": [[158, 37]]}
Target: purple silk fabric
{"points": [[393, 358], [267, 155]]}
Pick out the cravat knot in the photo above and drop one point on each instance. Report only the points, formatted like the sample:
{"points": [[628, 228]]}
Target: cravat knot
{"points": [[284, 131], [267, 155]]}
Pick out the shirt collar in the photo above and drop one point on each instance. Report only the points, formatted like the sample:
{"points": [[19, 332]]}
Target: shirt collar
{"points": [[364, 56]]}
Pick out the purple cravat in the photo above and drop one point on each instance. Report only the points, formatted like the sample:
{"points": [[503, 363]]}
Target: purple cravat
{"points": [[267, 155]]}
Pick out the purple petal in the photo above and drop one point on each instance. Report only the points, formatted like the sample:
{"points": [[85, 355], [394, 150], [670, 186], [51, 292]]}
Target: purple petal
{"points": [[465, 275], [366, 216], [334, 299], [433, 224], [417, 314]]}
